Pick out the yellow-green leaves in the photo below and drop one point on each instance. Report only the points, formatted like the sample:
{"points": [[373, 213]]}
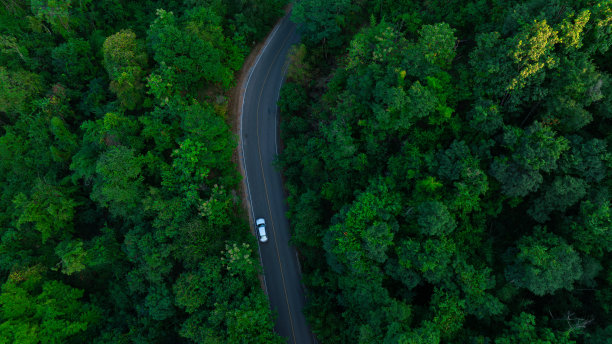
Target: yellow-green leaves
{"points": [[532, 52], [573, 32]]}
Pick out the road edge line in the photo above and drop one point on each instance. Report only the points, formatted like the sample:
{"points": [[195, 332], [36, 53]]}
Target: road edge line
{"points": [[241, 160]]}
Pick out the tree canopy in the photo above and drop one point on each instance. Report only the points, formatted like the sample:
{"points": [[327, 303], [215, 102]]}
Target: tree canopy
{"points": [[119, 220], [448, 162]]}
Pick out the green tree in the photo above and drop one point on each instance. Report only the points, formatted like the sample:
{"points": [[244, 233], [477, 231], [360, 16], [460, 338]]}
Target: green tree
{"points": [[217, 209], [523, 330], [250, 323], [427, 332], [477, 138], [586, 159], [192, 54], [118, 184], [573, 90], [591, 228], [122, 50], [322, 21], [65, 143], [532, 51], [600, 28], [191, 291], [54, 12], [158, 303], [544, 263], [18, 89], [438, 44], [534, 150], [431, 259], [477, 285], [205, 23], [10, 46], [73, 256], [50, 209], [367, 229], [449, 312], [561, 194], [434, 219], [38, 311], [113, 129], [125, 61], [189, 173], [72, 62], [485, 117], [224, 301], [85, 155], [206, 127]]}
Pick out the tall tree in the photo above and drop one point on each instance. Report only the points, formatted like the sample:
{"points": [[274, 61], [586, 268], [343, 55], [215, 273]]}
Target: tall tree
{"points": [[125, 61]]}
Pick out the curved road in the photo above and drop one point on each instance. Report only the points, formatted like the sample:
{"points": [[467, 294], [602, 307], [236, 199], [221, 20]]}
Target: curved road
{"points": [[258, 142]]}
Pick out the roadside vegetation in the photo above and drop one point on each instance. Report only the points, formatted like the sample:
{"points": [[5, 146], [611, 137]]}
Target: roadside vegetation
{"points": [[449, 169], [119, 215]]}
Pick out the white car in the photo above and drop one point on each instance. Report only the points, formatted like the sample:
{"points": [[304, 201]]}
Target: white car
{"points": [[261, 229]]}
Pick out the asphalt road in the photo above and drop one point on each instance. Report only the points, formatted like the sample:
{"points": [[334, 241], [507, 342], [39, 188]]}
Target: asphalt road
{"points": [[259, 144]]}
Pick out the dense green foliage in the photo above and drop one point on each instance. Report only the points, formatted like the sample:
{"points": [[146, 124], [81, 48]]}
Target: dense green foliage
{"points": [[119, 219], [450, 173]]}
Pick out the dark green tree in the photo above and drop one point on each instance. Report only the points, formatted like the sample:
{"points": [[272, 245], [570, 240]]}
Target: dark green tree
{"points": [[544, 263], [523, 329], [118, 184], [322, 21], [18, 89]]}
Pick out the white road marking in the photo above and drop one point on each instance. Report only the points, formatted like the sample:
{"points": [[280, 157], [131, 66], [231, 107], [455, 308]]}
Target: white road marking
{"points": [[298, 261], [280, 264], [241, 143], [242, 110]]}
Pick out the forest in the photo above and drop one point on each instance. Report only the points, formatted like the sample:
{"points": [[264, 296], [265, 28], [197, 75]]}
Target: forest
{"points": [[120, 219], [448, 165]]}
